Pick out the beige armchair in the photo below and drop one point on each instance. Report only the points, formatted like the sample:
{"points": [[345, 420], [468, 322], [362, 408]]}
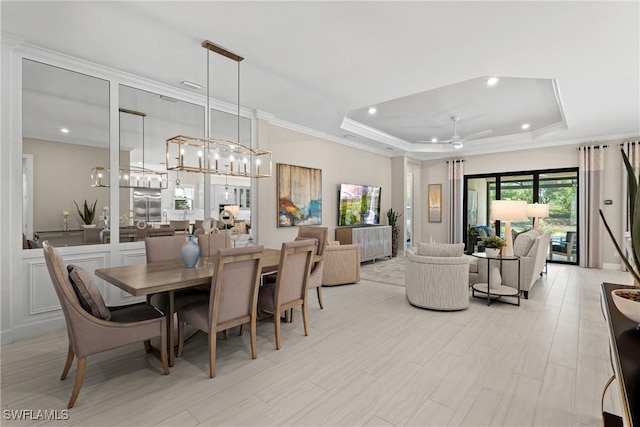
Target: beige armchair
{"points": [[437, 276], [341, 264], [89, 334]]}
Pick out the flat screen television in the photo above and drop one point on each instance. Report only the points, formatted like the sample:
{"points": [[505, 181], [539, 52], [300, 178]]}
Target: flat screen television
{"points": [[359, 205]]}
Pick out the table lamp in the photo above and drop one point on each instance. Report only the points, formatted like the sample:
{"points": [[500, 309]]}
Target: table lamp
{"points": [[507, 211], [234, 209], [537, 211]]}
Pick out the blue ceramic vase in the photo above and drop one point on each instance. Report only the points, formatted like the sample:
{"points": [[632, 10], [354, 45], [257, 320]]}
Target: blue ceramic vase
{"points": [[190, 252]]}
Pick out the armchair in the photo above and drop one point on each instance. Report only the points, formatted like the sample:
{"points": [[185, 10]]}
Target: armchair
{"points": [[341, 264], [437, 276]]}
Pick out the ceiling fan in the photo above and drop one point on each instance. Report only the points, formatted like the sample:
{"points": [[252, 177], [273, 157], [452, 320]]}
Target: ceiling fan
{"points": [[456, 141]]}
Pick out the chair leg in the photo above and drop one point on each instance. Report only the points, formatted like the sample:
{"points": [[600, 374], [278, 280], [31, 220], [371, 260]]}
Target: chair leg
{"points": [[180, 337], [212, 353], [252, 334], [226, 334], [319, 291], [164, 358], [82, 365], [241, 330], [67, 364], [276, 323], [305, 320], [147, 346]]}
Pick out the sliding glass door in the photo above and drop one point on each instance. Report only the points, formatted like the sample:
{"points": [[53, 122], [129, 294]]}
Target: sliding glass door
{"points": [[558, 188]]}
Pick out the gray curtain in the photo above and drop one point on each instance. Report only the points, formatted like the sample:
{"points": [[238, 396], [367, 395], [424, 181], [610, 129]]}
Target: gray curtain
{"points": [[456, 182], [632, 150], [590, 175]]}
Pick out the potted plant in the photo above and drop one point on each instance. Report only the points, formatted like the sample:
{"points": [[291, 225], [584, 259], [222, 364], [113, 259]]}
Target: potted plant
{"points": [[492, 245], [634, 215], [87, 214], [392, 217]]}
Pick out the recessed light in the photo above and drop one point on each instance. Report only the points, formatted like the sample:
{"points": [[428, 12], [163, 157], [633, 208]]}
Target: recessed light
{"points": [[348, 136], [192, 85], [491, 81], [64, 130], [525, 126], [390, 148], [434, 139], [372, 110]]}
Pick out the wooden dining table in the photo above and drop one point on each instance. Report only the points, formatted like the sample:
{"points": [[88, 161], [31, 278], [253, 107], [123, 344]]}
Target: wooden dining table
{"points": [[172, 276]]}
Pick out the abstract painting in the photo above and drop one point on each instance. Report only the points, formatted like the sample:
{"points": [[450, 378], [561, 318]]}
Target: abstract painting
{"points": [[435, 202], [299, 195]]}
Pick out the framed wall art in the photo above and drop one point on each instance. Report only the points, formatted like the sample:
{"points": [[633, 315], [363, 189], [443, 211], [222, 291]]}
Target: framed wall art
{"points": [[434, 202], [299, 195]]}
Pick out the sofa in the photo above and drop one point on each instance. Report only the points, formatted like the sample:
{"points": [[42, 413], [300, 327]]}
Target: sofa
{"points": [[532, 247], [341, 264], [437, 276]]}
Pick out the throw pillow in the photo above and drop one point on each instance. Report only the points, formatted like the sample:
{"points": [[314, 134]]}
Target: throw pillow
{"points": [[524, 241], [440, 249], [88, 293]]}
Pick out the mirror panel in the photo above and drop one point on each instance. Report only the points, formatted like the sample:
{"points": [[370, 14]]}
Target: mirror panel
{"points": [[65, 134], [147, 120]]}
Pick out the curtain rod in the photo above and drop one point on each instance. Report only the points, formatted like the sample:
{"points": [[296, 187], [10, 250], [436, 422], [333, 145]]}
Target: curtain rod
{"points": [[456, 161], [595, 147]]}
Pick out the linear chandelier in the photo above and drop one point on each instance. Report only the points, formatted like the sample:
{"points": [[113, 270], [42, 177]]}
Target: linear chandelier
{"points": [[215, 155], [132, 176]]}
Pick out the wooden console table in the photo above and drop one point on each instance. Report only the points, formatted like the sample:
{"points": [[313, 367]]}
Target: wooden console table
{"points": [[624, 341]]}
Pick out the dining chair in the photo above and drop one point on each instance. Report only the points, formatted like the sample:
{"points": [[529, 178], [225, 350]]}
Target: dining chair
{"points": [[290, 289], [232, 301], [92, 327], [181, 226], [211, 243], [169, 248], [321, 234]]}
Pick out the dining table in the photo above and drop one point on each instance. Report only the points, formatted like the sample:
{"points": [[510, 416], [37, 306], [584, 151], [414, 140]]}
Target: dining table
{"points": [[171, 276]]}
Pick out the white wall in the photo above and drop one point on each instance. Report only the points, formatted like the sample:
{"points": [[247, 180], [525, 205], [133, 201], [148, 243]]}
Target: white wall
{"points": [[339, 164]]}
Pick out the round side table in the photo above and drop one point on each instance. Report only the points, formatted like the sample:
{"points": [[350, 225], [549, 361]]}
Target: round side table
{"points": [[496, 291]]}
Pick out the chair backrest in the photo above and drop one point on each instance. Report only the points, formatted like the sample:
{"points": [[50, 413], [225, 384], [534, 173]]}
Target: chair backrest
{"points": [[234, 285], [319, 233], [74, 314], [217, 241], [571, 242], [164, 248], [179, 225], [293, 271]]}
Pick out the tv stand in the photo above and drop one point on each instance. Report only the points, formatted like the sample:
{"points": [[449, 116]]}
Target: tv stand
{"points": [[374, 240]]}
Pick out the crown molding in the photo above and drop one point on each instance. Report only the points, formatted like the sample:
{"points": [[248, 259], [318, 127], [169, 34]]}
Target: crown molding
{"points": [[10, 41]]}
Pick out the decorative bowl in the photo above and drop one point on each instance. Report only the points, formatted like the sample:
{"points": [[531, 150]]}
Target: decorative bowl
{"points": [[629, 307]]}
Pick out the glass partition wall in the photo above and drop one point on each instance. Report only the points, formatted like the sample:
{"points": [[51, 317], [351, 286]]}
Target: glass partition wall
{"points": [[66, 123], [557, 188]]}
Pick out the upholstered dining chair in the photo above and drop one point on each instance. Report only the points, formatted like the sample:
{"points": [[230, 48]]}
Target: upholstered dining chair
{"points": [[321, 234], [290, 289], [232, 302], [94, 328], [181, 226], [169, 248]]}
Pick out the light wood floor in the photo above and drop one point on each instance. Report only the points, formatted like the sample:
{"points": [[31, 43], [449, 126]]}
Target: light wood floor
{"points": [[370, 359]]}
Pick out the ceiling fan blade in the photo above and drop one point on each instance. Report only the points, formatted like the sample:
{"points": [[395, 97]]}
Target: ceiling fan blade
{"points": [[437, 142], [478, 135]]}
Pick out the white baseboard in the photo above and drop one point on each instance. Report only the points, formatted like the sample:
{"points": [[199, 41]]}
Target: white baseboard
{"points": [[31, 330], [612, 266]]}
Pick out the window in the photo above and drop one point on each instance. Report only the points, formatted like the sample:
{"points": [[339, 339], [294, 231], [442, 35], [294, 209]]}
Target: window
{"points": [[558, 188]]}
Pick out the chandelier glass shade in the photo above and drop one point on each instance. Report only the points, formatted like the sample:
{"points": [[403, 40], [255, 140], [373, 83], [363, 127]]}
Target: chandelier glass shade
{"points": [[215, 155]]}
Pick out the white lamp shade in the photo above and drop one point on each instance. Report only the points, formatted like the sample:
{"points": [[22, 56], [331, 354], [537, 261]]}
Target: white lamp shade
{"points": [[509, 210], [538, 210]]}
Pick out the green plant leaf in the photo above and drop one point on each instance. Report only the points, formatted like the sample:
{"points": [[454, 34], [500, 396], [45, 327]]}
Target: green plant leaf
{"points": [[634, 273]]}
